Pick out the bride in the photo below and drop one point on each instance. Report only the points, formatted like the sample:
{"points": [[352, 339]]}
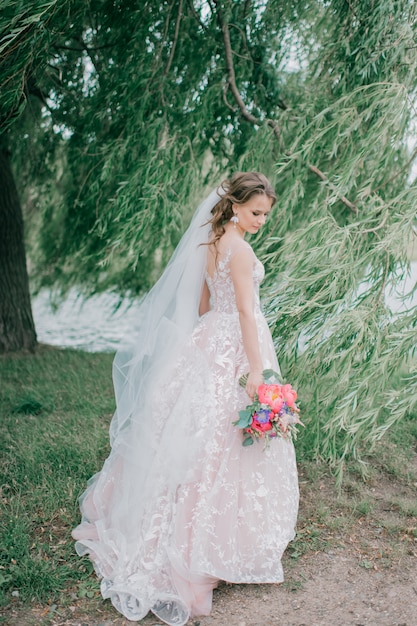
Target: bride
{"points": [[180, 504]]}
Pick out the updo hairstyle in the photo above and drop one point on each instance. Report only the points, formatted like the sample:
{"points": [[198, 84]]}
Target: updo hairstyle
{"points": [[237, 189]]}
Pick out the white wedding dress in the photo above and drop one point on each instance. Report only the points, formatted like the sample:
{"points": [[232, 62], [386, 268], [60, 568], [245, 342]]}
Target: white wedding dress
{"points": [[194, 507]]}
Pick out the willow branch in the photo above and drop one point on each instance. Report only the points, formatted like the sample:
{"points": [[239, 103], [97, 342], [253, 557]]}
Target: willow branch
{"points": [[225, 100], [324, 178], [84, 47], [351, 7], [383, 283], [251, 118], [381, 225], [174, 43], [406, 166], [246, 7], [232, 76], [232, 83]]}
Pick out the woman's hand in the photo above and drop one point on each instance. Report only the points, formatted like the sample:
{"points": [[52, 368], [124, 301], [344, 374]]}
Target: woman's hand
{"points": [[255, 379]]}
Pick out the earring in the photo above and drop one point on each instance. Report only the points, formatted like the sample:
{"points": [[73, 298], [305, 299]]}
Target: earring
{"points": [[235, 220]]}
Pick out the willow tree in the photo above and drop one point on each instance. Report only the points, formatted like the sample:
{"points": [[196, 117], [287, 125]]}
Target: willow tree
{"points": [[151, 102]]}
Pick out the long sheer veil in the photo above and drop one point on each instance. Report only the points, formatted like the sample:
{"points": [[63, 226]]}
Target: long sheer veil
{"points": [[166, 316], [154, 449]]}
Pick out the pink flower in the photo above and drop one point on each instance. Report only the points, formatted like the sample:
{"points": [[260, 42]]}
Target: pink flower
{"points": [[272, 396], [289, 395]]}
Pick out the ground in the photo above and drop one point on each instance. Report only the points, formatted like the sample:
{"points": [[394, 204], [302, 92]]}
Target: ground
{"points": [[353, 563]]}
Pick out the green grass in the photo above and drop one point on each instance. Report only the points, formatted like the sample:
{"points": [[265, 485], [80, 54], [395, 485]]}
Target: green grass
{"points": [[55, 407]]}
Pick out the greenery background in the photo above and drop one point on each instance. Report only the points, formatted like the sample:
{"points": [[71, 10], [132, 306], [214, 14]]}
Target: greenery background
{"points": [[118, 116]]}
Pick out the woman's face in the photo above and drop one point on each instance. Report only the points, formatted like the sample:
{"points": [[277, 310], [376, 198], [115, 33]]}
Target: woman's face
{"points": [[253, 213]]}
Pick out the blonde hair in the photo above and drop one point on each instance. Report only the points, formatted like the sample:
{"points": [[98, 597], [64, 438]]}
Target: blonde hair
{"points": [[237, 189]]}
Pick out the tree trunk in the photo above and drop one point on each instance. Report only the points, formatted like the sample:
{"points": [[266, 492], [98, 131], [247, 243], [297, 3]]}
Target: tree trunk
{"points": [[17, 330]]}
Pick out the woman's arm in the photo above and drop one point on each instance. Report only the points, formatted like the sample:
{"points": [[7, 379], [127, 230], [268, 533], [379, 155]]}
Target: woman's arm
{"points": [[204, 300], [241, 266]]}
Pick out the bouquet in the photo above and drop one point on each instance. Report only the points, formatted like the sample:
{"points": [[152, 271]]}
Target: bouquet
{"points": [[272, 414]]}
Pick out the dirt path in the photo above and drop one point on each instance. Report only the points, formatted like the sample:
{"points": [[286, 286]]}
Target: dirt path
{"points": [[335, 591]]}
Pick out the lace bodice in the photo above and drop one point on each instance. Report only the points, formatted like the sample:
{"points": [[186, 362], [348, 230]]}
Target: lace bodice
{"points": [[222, 292]]}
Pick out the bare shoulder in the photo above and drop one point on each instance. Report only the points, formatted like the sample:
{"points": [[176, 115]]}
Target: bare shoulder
{"points": [[233, 250], [242, 257], [242, 251], [235, 245]]}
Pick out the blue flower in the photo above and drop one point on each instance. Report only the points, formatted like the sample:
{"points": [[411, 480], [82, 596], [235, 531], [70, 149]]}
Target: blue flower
{"points": [[262, 415], [286, 410]]}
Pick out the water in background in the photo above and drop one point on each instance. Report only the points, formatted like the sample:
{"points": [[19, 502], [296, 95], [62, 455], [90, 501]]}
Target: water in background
{"points": [[94, 325]]}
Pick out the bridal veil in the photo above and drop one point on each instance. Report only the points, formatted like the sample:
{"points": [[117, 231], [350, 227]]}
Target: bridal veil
{"points": [[153, 449]]}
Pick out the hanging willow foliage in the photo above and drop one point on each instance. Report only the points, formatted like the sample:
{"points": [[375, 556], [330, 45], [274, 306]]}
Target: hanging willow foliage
{"points": [[147, 105]]}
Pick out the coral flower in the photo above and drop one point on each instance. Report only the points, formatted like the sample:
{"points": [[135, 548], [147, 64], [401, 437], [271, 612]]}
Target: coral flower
{"points": [[272, 396], [289, 394]]}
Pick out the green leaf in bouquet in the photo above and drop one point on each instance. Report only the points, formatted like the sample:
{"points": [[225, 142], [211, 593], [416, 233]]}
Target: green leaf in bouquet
{"points": [[272, 376], [243, 380], [245, 418], [247, 442]]}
